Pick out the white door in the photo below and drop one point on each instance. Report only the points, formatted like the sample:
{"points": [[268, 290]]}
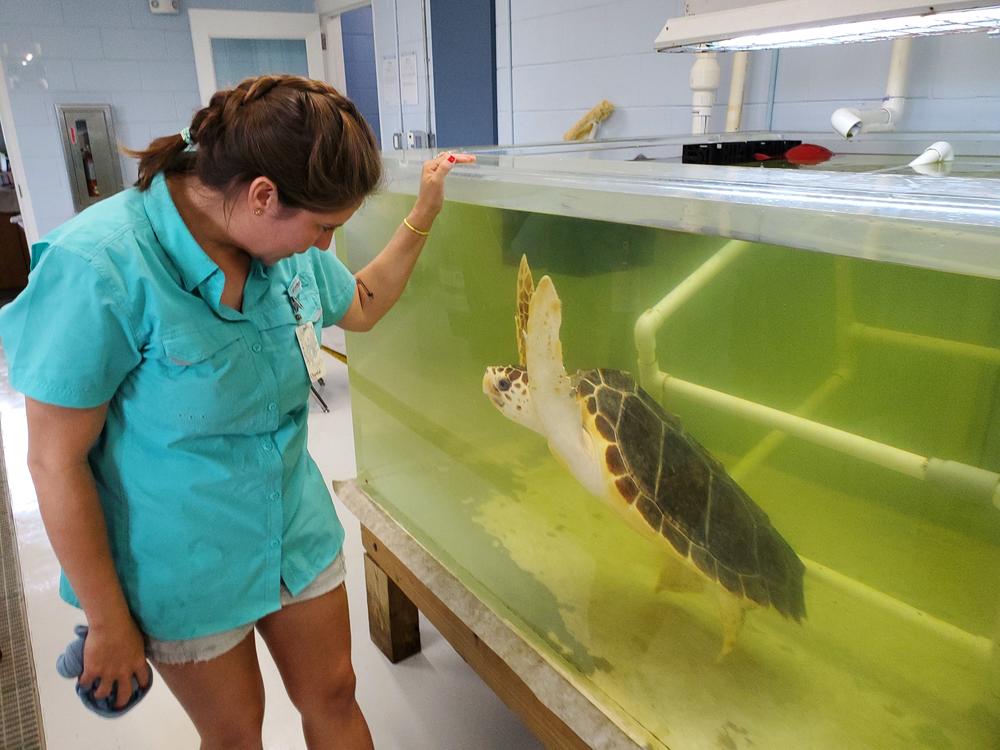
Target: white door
{"points": [[16, 162], [230, 45], [403, 55]]}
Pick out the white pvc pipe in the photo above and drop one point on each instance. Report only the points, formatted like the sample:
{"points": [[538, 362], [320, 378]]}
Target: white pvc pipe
{"points": [[849, 121], [944, 630], [774, 438], [704, 81], [985, 354], [880, 454], [953, 474], [899, 65], [737, 86], [949, 474], [883, 455], [650, 321]]}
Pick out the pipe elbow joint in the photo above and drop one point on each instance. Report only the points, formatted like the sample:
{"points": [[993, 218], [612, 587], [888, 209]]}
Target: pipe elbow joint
{"points": [[847, 122]]}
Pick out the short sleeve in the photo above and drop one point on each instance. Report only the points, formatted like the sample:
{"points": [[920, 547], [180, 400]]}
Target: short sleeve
{"points": [[67, 337], [336, 285]]}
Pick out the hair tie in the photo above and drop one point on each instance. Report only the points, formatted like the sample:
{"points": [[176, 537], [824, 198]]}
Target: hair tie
{"points": [[186, 136]]}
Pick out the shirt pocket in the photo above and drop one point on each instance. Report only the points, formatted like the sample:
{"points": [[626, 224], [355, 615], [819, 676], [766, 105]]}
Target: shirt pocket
{"points": [[207, 382], [312, 312], [278, 334], [283, 314]]}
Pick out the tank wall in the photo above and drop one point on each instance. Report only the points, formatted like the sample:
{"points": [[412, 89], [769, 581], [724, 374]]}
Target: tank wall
{"points": [[899, 641]]}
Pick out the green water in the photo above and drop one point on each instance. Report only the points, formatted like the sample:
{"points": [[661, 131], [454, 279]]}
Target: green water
{"points": [[898, 646]]}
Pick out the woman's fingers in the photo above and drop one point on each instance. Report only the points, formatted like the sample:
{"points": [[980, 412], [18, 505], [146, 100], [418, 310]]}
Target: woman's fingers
{"points": [[115, 659], [124, 693], [431, 195], [447, 159]]}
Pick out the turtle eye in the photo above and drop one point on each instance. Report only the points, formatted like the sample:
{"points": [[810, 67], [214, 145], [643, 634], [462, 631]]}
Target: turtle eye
{"points": [[503, 384]]}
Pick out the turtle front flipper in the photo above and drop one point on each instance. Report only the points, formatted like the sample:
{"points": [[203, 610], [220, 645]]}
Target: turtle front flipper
{"points": [[553, 396], [525, 290]]}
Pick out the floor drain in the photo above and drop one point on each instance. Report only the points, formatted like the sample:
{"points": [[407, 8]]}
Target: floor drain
{"points": [[20, 711]]}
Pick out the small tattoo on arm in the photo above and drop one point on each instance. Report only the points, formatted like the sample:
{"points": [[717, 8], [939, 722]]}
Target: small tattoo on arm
{"points": [[368, 293]]}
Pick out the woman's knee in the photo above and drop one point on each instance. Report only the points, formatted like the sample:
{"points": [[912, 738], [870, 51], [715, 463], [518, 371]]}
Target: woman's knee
{"points": [[333, 694], [238, 728]]}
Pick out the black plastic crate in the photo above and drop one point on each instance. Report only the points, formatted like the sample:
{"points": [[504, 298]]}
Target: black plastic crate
{"points": [[733, 152]]}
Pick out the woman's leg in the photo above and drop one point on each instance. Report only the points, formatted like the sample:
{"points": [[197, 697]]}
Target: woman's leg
{"points": [[311, 644], [223, 696]]}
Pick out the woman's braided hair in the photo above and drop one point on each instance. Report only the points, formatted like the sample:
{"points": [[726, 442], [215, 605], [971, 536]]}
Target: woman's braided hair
{"points": [[303, 135]]}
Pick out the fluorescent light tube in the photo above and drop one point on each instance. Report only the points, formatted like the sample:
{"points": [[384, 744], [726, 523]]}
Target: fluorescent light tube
{"points": [[803, 23]]}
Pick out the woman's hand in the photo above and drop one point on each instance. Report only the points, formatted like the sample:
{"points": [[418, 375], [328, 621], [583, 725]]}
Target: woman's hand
{"points": [[114, 652], [431, 196]]}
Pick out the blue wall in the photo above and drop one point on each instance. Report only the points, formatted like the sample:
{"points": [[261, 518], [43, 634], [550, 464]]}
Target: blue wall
{"points": [[106, 52], [465, 72], [359, 62]]}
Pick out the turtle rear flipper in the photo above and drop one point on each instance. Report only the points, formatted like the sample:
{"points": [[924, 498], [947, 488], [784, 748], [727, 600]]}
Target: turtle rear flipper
{"points": [[678, 577], [732, 612]]}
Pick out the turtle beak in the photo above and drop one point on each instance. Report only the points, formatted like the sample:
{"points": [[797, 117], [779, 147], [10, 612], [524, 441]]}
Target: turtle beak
{"points": [[491, 390]]}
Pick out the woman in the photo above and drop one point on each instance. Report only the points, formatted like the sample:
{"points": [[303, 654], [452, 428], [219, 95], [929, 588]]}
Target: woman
{"points": [[157, 346]]}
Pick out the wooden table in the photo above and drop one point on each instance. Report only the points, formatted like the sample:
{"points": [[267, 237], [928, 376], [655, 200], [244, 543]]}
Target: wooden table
{"points": [[402, 578]]}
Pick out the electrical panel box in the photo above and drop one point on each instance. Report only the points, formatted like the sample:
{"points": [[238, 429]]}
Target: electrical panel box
{"points": [[91, 151]]}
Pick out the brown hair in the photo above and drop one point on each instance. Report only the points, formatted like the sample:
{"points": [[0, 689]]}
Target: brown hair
{"points": [[301, 134]]}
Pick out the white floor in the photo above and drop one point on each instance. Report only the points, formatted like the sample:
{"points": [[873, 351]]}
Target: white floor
{"points": [[432, 700]]}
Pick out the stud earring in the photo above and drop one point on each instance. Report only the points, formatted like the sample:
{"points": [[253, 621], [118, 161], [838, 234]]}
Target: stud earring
{"points": [[258, 212]]}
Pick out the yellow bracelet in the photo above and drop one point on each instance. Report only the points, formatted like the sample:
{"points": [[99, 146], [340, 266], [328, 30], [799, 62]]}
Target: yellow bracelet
{"points": [[413, 228]]}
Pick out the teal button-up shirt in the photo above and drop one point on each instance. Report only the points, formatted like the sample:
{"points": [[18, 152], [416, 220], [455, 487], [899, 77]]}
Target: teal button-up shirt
{"points": [[210, 497]]}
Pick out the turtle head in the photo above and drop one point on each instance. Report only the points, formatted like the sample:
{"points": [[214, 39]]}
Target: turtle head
{"points": [[507, 388]]}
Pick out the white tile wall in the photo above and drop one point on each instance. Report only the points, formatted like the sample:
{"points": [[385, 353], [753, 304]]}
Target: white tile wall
{"points": [[33, 11], [138, 44], [567, 56], [104, 52], [112, 75], [106, 14], [570, 54]]}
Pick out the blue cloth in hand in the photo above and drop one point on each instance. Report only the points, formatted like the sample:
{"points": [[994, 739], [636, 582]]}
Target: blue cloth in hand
{"points": [[70, 664]]}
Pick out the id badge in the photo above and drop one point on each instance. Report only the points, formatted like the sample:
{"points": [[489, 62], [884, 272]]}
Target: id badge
{"points": [[309, 346]]}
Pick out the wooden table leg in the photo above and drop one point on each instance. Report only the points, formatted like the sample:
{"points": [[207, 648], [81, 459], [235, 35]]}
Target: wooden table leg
{"points": [[384, 569], [392, 617]]}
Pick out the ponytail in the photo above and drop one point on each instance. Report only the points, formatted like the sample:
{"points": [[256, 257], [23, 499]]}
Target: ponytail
{"points": [[165, 154]]}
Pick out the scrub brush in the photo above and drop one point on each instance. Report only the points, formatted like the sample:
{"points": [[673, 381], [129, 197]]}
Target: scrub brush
{"points": [[587, 125]]}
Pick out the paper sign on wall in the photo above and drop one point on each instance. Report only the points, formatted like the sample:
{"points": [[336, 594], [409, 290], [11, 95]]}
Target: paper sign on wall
{"points": [[408, 79], [389, 85]]}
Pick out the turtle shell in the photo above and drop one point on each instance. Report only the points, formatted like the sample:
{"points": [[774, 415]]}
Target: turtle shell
{"points": [[685, 494]]}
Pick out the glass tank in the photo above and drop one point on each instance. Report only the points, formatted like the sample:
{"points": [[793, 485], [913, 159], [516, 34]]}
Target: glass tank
{"points": [[825, 339]]}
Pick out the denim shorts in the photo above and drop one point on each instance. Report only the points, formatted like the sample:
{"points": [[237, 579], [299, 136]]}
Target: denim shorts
{"points": [[210, 646]]}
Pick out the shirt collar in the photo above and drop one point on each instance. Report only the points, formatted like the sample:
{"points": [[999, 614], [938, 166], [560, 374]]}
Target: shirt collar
{"points": [[173, 235]]}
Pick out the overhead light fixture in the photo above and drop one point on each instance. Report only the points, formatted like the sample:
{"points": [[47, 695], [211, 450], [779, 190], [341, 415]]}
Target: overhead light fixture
{"points": [[806, 23]]}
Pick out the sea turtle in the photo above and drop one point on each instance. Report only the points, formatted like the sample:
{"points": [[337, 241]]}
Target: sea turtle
{"points": [[623, 447]]}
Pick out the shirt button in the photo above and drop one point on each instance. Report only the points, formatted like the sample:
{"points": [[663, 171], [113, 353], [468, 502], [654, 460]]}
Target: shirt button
{"points": [[274, 496], [272, 406], [268, 446], [275, 543], [256, 348]]}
